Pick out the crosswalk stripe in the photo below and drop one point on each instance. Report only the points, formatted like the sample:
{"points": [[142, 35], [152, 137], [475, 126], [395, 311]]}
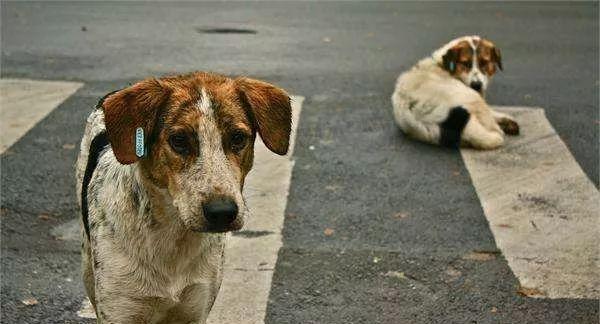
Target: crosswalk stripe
{"points": [[251, 255], [25, 102], [541, 208]]}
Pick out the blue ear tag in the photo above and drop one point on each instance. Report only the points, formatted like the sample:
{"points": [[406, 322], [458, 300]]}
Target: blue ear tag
{"points": [[139, 142], [451, 66]]}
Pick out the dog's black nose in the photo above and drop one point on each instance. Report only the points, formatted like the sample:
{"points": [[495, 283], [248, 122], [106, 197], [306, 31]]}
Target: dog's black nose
{"points": [[476, 85], [220, 212]]}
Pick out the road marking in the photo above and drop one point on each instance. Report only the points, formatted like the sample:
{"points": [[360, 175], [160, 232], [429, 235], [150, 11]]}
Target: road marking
{"points": [[542, 209], [86, 310], [25, 102], [251, 255]]}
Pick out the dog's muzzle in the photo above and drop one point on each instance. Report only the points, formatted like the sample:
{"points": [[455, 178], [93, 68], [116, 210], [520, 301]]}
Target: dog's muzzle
{"points": [[220, 213]]}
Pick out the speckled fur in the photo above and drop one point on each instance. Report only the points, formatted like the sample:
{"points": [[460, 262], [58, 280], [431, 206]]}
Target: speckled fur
{"points": [[148, 258]]}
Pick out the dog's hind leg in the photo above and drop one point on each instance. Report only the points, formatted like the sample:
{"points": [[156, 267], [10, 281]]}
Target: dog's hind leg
{"points": [[508, 125], [479, 137]]}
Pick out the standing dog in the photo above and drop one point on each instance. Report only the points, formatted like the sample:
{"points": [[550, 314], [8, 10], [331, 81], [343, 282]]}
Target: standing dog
{"points": [[441, 99], [159, 178]]}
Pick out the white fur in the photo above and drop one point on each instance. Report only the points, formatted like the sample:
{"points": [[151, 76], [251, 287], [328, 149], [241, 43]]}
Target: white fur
{"points": [[204, 104]]}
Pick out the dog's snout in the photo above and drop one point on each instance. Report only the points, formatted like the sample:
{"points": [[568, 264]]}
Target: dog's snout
{"points": [[220, 212], [476, 85]]}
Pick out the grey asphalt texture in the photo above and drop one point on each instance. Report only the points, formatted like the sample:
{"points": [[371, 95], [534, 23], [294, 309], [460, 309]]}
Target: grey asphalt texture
{"points": [[403, 214]]}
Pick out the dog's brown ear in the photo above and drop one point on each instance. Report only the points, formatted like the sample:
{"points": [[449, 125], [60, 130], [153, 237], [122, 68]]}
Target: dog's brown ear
{"points": [[450, 58], [272, 112], [488, 48], [496, 57], [127, 110]]}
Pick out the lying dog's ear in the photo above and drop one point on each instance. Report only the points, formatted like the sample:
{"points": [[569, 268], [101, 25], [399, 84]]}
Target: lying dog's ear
{"points": [[127, 110], [449, 59], [488, 48], [496, 57], [270, 106]]}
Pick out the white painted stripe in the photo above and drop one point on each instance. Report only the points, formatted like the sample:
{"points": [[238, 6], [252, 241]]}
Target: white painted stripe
{"points": [[542, 209], [86, 310], [25, 102], [250, 262]]}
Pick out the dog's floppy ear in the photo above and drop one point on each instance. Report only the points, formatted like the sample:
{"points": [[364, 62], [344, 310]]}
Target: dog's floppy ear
{"points": [[496, 57], [449, 59], [127, 110], [270, 106], [494, 52]]}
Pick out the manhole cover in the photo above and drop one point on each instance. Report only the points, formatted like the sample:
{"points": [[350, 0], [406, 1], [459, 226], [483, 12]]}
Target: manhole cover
{"points": [[226, 31]]}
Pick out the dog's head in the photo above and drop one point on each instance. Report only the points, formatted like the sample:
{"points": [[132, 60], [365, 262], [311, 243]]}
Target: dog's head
{"points": [[471, 59], [199, 131]]}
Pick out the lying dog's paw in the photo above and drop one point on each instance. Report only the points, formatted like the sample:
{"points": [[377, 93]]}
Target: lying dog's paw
{"points": [[509, 126]]}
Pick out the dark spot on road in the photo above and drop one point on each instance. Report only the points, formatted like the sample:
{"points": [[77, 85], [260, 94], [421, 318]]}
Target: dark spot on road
{"points": [[535, 200], [548, 207], [252, 234], [225, 30]]}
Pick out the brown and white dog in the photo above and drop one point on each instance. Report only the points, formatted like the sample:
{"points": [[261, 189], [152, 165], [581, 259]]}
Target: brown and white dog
{"points": [[441, 99], [159, 178]]}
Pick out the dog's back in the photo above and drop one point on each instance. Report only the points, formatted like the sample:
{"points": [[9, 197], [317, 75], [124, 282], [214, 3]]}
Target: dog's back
{"points": [[429, 105]]}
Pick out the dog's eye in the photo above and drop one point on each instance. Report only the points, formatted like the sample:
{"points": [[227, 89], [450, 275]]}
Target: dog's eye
{"points": [[179, 143], [238, 141]]}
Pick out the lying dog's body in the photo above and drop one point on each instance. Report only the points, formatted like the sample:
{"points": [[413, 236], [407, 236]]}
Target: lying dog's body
{"points": [[154, 220], [440, 100]]}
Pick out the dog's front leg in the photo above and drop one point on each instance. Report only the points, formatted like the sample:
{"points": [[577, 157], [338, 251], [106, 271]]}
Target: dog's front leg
{"points": [[508, 125], [118, 309]]}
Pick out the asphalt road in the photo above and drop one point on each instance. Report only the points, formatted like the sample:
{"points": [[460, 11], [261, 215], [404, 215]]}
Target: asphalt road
{"points": [[360, 173]]}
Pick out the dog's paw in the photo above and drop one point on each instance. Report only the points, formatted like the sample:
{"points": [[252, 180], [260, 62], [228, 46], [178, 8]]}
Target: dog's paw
{"points": [[509, 126]]}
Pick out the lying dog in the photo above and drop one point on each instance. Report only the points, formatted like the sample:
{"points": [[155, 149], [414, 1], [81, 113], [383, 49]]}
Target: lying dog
{"points": [[441, 99], [159, 178]]}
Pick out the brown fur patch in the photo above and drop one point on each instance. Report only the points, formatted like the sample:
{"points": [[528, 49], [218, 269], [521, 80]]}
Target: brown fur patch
{"points": [[182, 116], [459, 58], [272, 111], [168, 106], [488, 57], [128, 109], [510, 127]]}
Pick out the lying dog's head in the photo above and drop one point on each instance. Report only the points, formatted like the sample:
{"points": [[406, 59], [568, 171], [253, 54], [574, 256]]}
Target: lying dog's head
{"points": [[473, 60], [199, 131]]}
